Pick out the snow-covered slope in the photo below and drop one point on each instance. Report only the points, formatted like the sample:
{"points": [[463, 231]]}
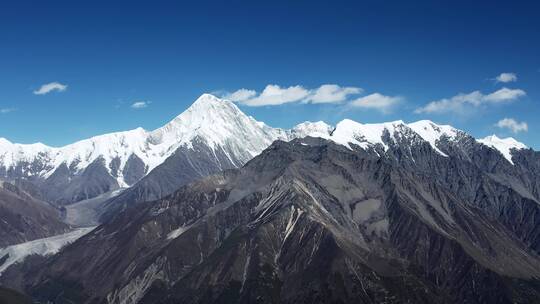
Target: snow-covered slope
{"points": [[47, 246], [364, 135], [382, 134], [215, 121], [432, 132], [503, 145], [370, 135], [12, 154], [38, 160]]}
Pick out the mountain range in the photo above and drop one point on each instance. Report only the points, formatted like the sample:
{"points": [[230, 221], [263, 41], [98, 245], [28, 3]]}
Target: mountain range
{"points": [[216, 207], [210, 136]]}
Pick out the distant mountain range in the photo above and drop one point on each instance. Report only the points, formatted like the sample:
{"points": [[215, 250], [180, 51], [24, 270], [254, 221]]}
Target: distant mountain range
{"points": [[220, 208]]}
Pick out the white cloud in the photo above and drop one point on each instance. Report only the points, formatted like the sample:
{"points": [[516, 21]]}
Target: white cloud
{"points": [[506, 77], [49, 87], [240, 95], [6, 110], [504, 95], [276, 95], [376, 101], [332, 93], [460, 102], [512, 125], [140, 104]]}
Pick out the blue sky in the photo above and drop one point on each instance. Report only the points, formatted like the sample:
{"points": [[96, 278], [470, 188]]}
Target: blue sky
{"points": [[387, 61]]}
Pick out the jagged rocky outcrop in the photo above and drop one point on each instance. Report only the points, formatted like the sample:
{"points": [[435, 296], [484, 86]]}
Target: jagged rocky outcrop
{"points": [[405, 220]]}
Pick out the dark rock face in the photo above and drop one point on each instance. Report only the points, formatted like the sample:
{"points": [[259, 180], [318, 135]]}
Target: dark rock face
{"points": [[63, 187], [313, 222], [134, 170], [23, 218]]}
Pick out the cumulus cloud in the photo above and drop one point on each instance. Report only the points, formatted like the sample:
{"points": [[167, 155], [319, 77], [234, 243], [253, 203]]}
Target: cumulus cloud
{"points": [[504, 95], [512, 125], [460, 102], [241, 95], [140, 104], [376, 101], [50, 87], [506, 77], [332, 93], [6, 110], [276, 95]]}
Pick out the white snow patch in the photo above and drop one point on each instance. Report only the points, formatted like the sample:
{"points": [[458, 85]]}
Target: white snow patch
{"points": [[177, 232], [46, 246]]}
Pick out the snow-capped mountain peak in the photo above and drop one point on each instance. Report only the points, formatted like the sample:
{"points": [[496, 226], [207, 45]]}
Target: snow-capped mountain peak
{"points": [[117, 146], [432, 132], [205, 107], [218, 122], [368, 135], [364, 135], [503, 145], [314, 129]]}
